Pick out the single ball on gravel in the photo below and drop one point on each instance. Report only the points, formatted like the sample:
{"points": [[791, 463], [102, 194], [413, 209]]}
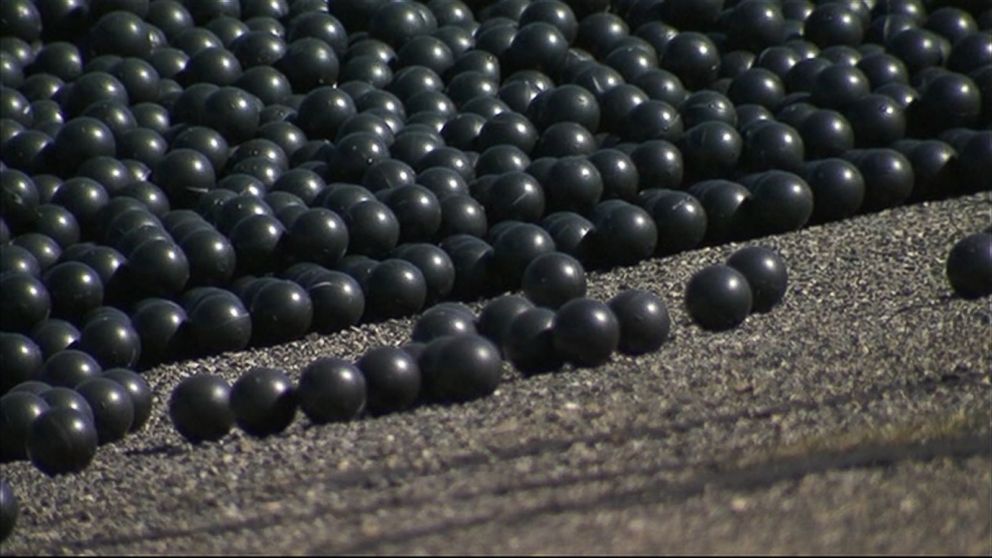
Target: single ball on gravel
{"points": [[331, 390], [718, 297], [969, 266], [442, 321], [138, 389], [200, 408], [460, 368], [585, 332], [766, 274], [113, 409], [62, 441], [263, 401], [8, 509], [553, 279], [644, 321], [392, 377], [18, 410]]}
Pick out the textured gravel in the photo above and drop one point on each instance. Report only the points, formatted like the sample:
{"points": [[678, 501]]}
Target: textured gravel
{"points": [[853, 418]]}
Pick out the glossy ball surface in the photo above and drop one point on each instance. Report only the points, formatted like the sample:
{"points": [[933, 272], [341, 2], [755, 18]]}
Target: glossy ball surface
{"points": [[460, 368], [138, 389], [553, 279], [69, 368], [392, 378], [969, 266], [62, 441], [585, 332], [18, 410], [200, 409], [331, 390], [766, 274], [112, 406], [263, 401], [22, 359], [528, 341], [644, 321], [718, 298]]}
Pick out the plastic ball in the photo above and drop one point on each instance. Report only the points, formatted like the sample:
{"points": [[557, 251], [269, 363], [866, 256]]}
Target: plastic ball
{"points": [[644, 321], [22, 359], [200, 409], [331, 390], [113, 408], [766, 274], [62, 441], [395, 288], [460, 368], [263, 401], [392, 378], [528, 341], [969, 266], [18, 410], [440, 322], [585, 332], [718, 298]]}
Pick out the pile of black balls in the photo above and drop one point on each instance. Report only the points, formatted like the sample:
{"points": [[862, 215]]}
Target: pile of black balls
{"points": [[58, 424], [277, 168]]}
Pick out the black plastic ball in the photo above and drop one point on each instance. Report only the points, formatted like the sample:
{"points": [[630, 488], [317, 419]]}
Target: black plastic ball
{"points": [[441, 321], [22, 359], [24, 303], [62, 441], [138, 389], [18, 410], [644, 321], [220, 323], [113, 408], [75, 289], [199, 408], [162, 327], [969, 266], [263, 401], [838, 188], [780, 202], [552, 279], [392, 377], [331, 390], [528, 341], [460, 368], [585, 332], [66, 398], [718, 298], [766, 274], [113, 343], [395, 288], [680, 219]]}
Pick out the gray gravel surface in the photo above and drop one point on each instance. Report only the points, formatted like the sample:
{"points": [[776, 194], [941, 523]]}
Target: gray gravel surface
{"points": [[852, 418]]}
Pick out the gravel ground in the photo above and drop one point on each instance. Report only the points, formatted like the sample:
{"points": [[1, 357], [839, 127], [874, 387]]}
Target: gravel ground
{"points": [[853, 418]]}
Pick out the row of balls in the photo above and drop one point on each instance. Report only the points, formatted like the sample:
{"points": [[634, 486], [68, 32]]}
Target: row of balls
{"points": [[454, 356]]}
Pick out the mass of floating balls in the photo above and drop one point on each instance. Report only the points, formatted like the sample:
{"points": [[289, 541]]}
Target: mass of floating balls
{"points": [[181, 178]]}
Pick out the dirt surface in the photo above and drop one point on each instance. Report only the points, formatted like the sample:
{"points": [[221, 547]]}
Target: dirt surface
{"points": [[853, 418]]}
